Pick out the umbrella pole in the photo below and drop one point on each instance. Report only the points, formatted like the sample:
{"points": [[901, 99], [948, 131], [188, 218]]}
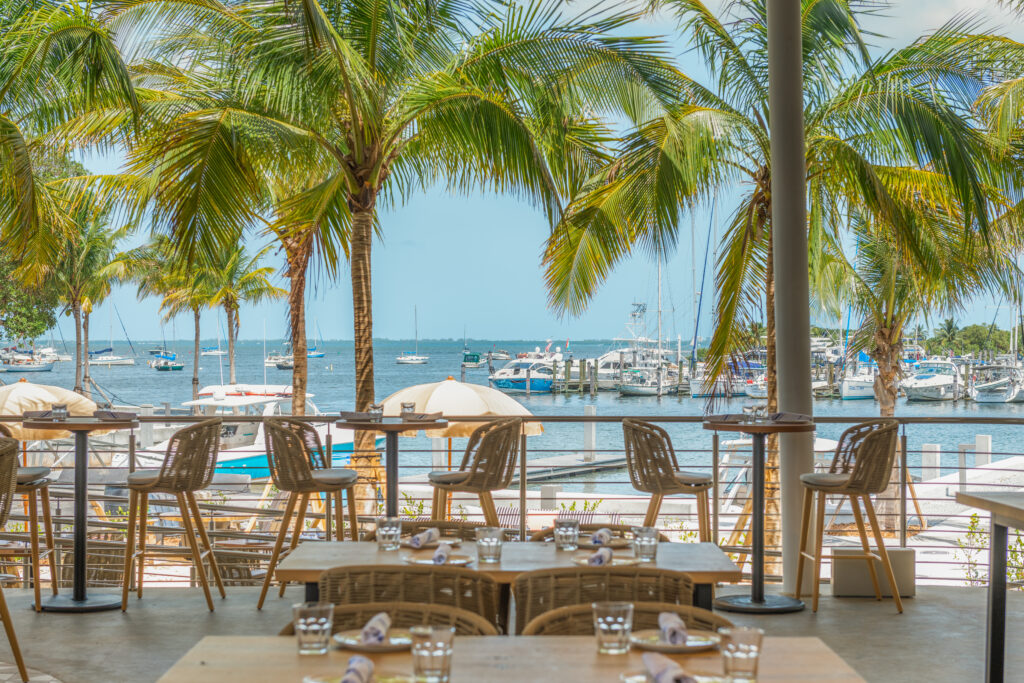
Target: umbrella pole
{"points": [[448, 512]]}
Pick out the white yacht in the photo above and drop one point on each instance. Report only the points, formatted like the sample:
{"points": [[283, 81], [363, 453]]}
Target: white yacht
{"points": [[523, 373], [414, 357], [106, 357], [999, 384], [859, 385], [935, 380]]}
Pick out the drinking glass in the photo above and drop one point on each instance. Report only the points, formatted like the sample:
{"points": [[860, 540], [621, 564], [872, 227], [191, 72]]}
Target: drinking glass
{"points": [[645, 543], [432, 653], [376, 412], [567, 534], [613, 624], [488, 543], [408, 407], [741, 648], [59, 411], [313, 622], [389, 533]]}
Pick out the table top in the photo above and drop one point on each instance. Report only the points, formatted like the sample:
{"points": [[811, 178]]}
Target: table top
{"points": [[760, 427], [704, 562], [79, 424], [391, 424], [538, 659], [1008, 506]]}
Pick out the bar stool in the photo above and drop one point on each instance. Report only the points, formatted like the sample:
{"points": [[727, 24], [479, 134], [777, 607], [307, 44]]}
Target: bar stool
{"points": [[487, 465], [862, 466], [8, 478], [188, 467], [299, 466], [653, 468]]}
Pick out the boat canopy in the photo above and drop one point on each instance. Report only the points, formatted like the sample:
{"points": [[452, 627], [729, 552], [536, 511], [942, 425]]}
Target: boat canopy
{"points": [[106, 350]]}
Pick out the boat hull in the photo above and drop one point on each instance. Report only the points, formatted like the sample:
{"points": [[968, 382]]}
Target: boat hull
{"points": [[517, 385], [931, 392], [28, 367], [856, 389]]}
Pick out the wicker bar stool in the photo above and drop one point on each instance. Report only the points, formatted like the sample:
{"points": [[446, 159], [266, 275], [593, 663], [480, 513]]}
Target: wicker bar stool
{"points": [[406, 614], [188, 467], [8, 483], [578, 620], [487, 465], [299, 466], [862, 466], [653, 468], [618, 531]]}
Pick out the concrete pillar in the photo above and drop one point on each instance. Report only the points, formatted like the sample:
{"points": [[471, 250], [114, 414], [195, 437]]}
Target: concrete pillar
{"points": [[145, 428], [931, 461], [789, 240], [589, 434], [982, 449], [549, 496], [439, 453]]}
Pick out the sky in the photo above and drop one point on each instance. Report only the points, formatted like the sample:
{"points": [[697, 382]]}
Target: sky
{"points": [[472, 264]]}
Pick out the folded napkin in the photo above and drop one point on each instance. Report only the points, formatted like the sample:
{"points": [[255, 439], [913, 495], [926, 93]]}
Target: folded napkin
{"points": [[37, 414], [673, 629], [661, 669], [602, 536], [442, 552], [113, 415], [375, 631], [425, 537], [602, 557], [789, 417], [359, 670], [729, 418], [355, 416]]}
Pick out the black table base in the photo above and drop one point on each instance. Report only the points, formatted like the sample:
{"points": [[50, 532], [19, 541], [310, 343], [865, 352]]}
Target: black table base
{"points": [[996, 636], [94, 602], [391, 473]]}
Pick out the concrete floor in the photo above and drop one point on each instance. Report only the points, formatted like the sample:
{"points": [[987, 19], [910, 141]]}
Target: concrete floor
{"points": [[940, 636]]}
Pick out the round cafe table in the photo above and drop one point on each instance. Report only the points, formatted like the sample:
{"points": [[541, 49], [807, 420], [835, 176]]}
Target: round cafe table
{"points": [[392, 427], [757, 601], [78, 601]]}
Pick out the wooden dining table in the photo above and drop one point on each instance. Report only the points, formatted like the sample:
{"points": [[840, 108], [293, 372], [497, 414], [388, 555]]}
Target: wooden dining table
{"points": [[532, 659], [704, 562]]}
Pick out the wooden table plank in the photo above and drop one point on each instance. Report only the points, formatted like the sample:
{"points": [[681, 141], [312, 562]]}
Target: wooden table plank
{"points": [[1008, 506], [537, 659]]}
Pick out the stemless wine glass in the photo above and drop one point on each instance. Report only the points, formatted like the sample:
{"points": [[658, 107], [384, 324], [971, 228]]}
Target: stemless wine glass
{"points": [[645, 543], [567, 534], [432, 653], [613, 624], [488, 543], [313, 622], [389, 533], [376, 412], [408, 407], [741, 650]]}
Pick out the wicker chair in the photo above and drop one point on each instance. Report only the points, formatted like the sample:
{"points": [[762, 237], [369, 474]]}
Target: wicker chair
{"points": [[406, 614], [299, 466], [8, 479], [578, 620], [862, 466], [618, 530], [487, 465], [466, 589], [653, 468], [541, 591], [187, 468]]}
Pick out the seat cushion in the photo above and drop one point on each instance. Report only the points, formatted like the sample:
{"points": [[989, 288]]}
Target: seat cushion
{"points": [[335, 477], [446, 477], [30, 474], [143, 477], [693, 478], [824, 480]]}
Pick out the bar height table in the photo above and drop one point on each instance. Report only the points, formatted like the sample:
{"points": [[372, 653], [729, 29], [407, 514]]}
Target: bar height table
{"points": [[757, 601], [80, 426], [392, 427]]}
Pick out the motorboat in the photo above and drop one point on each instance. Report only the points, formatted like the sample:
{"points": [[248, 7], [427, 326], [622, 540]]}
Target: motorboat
{"points": [[523, 374], [28, 366], [213, 351], [646, 383], [49, 353], [935, 380], [288, 364], [858, 385], [275, 357], [999, 384], [166, 365], [473, 360], [411, 358], [499, 354]]}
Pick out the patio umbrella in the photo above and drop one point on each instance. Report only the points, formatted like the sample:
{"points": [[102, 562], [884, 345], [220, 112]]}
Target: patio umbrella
{"points": [[22, 395]]}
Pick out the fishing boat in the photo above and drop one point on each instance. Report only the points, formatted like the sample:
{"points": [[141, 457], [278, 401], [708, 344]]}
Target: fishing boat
{"points": [[472, 360], [935, 380], [999, 384], [166, 365], [28, 366], [413, 358], [521, 375]]}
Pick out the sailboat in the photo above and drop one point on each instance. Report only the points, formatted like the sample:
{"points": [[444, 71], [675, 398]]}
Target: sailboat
{"points": [[413, 358], [214, 350], [650, 380], [106, 357], [313, 351]]}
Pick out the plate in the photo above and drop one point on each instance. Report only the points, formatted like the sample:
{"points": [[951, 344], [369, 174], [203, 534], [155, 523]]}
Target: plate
{"points": [[384, 677], [696, 641], [452, 541], [453, 560], [399, 639], [615, 544], [641, 677], [617, 560]]}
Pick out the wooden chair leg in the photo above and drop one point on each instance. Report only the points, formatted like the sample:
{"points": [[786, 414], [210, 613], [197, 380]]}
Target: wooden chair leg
{"points": [[281, 534], [300, 517], [353, 513], [866, 546], [819, 532], [140, 558], [651, 518], [5, 614], [805, 524], [882, 553], [437, 507], [704, 516], [51, 549], [129, 549], [490, 512], [197, 555], [339, 516], [205, 538], [33, 534], [328, 506]]}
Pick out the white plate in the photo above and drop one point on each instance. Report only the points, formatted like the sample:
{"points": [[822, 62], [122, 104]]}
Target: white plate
{"points": [[385, 677], [617, 560], [696, 641], [398, 640], [453, 542], [453, 560], [615, 544], [641, 677]]}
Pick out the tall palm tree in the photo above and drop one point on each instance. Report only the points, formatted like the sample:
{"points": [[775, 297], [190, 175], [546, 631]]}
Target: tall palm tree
{"points": [[948, 333]]}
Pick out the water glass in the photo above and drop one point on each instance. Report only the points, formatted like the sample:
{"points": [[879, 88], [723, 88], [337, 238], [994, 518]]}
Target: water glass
{"points": [[613, 624], [59, 412], [741, 648], [313, 622], [645, 543], [488, 543], [567, 534], [432, 653], [408, 407], [376, 412], [389, 533]]}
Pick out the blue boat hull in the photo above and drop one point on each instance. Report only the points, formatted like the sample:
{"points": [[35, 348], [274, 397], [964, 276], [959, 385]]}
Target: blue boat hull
{"points": [[510, 385], [255, 464]]}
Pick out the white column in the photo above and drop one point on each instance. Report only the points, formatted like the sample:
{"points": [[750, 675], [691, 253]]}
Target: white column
{"points": [[982, 449], [589, 434], [439, 453], [931, 461]]}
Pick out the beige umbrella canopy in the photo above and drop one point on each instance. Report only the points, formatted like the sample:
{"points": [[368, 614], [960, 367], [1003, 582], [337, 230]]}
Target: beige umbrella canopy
{"points": [[16, 398], [458, 399]]}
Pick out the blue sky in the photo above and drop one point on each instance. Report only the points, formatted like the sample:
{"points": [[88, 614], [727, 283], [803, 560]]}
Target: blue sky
{"points": [[474, 262]]}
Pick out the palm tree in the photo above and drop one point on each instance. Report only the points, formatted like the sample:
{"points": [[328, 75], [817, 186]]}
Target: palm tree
{"points": [[948, 334]]}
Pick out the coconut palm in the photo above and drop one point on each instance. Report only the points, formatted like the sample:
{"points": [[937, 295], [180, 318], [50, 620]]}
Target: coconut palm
{"points": [[948, 333]]}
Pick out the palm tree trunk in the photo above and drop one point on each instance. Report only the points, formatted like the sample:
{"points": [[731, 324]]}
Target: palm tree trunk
{"points": [[365, 459], [195, 357], [86, 386], [230, 315], [887, 348], [298, 260], [772, 527], [76, 312]]}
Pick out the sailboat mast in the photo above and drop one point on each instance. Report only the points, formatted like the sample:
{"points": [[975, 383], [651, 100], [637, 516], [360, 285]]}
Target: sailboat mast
{"points": [[416, 330]]}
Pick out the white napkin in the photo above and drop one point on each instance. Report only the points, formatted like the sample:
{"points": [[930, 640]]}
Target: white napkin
{"points": [[602, 536], [375, 631], [673, 628], [602, 557], [360, 670], [441, 554], [425, 537], [661, 669]]}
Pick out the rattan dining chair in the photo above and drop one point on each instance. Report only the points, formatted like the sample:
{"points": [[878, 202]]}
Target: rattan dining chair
{"points": [[406, 614], [8, 482], [487, 465], [459, 587], [618, 531], [544, 590], [188, 467], [299, 466], [653, 468], [578, 620], [862, 466]]}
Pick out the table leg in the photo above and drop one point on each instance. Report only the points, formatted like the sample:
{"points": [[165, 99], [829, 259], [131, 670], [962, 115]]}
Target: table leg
{"points": [[703, 595], [996, 640], [391, 473], [312, 591]]}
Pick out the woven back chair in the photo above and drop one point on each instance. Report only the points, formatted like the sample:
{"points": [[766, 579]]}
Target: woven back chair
{"points": [[8, 479], [618, 531], [466, 589], [578, 620], [465, 531], [541, 591], [190, 460], [866, 453], [293, 452], [407, 614]]}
